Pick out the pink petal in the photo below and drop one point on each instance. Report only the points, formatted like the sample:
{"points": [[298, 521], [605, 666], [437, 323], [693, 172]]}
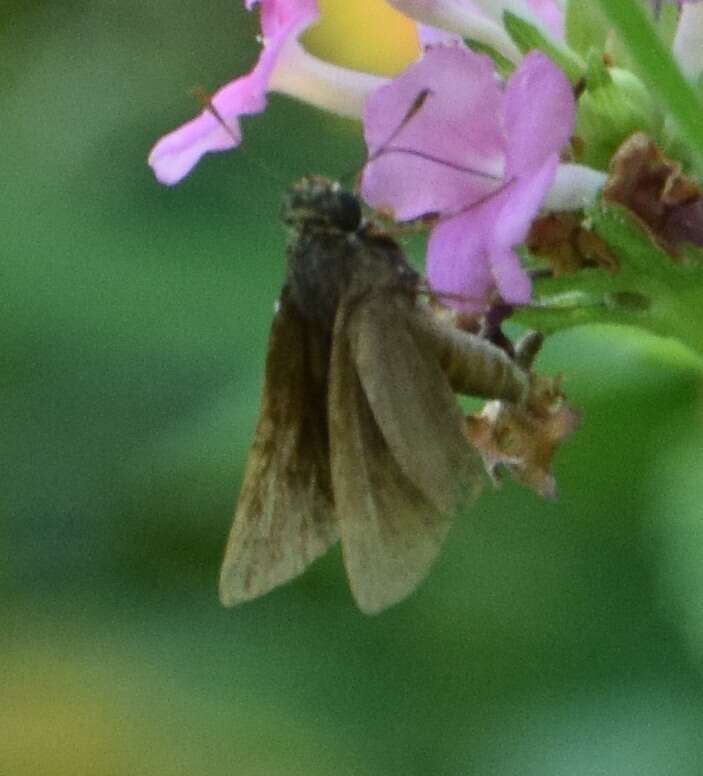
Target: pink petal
{"points": [[471, 254], [175, 154], [458, 124], [551, 14], [519, 202], [434, 36], [514, 209], [539, 113], [457, 261], [282, 18], [511, 280]]}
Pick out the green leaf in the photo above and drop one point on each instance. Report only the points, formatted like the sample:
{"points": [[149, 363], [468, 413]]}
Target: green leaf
{"points": [[586, 27], [502, 64], [526, 36]]}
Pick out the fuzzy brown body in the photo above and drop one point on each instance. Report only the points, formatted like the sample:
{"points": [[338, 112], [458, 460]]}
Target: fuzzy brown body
{"points": [[327, 260], [360, 436]]}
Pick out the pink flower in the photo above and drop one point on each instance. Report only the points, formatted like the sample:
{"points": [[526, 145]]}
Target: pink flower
{"points": [[480, 156], [283, 66]]}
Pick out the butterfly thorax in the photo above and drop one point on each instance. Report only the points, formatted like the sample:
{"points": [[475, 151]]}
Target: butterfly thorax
{"points": [[332, 252]]}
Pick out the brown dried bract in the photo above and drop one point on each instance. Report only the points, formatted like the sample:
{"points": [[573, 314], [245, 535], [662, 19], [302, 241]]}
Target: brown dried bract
{"points": [[567, 245], [524, 438], [667, 202]]}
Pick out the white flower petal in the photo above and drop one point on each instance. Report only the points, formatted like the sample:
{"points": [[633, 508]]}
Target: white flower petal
{"points": [[337, 89], [575, 187], [688, 42], [462, 18]]}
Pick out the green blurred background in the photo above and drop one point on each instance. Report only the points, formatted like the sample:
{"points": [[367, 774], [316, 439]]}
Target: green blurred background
{"points": [[550, 638]]}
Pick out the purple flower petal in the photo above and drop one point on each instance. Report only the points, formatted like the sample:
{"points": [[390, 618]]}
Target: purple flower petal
{"points": [[551, 14], [511, 280], [539, 113], [450, 151], [457, 259], [519, 202], [483, 160], [435, 36], [175, 154], [283, 18], [513, 212], [471, 255]]}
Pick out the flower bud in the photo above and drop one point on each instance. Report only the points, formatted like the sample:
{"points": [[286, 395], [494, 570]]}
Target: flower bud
{"points": [[615, 105]]}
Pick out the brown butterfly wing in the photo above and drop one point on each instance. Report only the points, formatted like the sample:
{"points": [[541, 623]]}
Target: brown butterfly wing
{"points": [[398, 450], [284, 518]]}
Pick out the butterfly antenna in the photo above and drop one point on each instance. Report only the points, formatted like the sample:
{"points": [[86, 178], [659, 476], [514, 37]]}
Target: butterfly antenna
{"points": [[417, 103], [207, 104], [410, 113]]}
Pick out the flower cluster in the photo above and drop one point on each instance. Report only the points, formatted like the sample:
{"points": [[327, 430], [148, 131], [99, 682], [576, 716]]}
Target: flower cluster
{"points": [[482, 157], [482, 153]]}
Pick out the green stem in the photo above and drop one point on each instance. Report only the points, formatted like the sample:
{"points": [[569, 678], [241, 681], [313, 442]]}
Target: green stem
{"points": [[680, 318]]}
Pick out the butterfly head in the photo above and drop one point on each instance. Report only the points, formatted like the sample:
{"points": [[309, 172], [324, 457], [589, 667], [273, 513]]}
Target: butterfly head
{"points": [[322, 203]]}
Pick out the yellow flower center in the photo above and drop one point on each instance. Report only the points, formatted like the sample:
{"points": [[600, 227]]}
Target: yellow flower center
{"points": [[367, 35]]}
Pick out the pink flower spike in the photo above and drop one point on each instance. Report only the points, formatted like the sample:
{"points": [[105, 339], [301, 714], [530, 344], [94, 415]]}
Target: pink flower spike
{"points": [[175, 154], [481, 158]]}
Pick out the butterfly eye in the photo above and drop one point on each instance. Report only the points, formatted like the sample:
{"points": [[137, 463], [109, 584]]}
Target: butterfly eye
{"points": [[347, 212]]}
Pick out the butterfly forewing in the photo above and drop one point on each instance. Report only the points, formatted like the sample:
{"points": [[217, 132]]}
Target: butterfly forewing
{"points": [[395, 467], [284, 518], [410, 397]]}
